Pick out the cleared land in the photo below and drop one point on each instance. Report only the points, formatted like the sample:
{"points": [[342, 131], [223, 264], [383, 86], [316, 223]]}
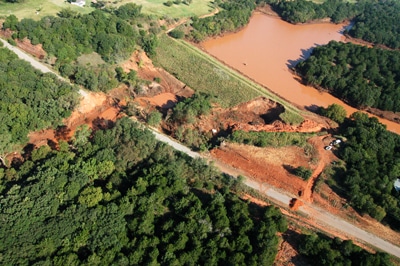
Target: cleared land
{"points": [[157, 7], [36, 9], [200, 71]]}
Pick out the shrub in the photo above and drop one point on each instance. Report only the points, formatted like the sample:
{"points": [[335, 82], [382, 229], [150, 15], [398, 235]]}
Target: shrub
{"points": [[168, 3], [154, 118], [303, 172], [177, 34], [335, 112]]}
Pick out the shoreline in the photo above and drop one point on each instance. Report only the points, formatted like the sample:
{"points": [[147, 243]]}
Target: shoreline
{"points": [[389, 116]]}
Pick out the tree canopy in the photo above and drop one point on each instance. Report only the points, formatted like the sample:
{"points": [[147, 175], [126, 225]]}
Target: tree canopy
{"points": [[371, 26], [372, 161], [123, 198], [361, 76], [30, 99]]}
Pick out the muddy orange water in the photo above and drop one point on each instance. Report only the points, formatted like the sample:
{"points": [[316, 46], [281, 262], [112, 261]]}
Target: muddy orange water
{"points": [[266, 48]]}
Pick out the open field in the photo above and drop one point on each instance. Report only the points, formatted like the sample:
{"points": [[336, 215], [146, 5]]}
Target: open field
{"points": [[203, 73], [157, 7], [29, 8]]}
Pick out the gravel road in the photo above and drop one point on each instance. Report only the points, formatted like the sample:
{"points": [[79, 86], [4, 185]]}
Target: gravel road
{"points": [[318, 215], [36, 64]]}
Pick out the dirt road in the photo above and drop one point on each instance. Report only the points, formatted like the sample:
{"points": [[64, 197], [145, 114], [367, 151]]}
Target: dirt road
{"points": [[319, 216], [36, 64], [282, 198]]}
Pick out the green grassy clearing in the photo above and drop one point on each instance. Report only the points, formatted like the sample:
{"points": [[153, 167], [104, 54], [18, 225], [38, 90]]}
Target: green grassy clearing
{"points": [[28, 8], [157, 7], [203, 73], [92, 59]]}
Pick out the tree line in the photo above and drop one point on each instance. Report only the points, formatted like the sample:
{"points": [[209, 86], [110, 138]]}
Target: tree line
{"points": [[301, 11], [233, 15], [366, 16], [361, 76], [120, 197], [372, 158], [332, 252], [69, 35], [30, 101], [372, 27]]}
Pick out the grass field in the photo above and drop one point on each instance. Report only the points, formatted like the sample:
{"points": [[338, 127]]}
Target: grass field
{"points": [[203, 73], [36, 9], [28, 8], [157, 7]]}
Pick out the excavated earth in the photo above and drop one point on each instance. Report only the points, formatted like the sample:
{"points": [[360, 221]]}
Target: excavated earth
{"points": [[269, 165]]}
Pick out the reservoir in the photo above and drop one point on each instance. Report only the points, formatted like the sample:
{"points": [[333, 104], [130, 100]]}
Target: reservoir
{"points": [[267, 47]]}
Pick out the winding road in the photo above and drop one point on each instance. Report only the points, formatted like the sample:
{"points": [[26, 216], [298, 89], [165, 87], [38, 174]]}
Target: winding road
{"points": [[282, 198]]}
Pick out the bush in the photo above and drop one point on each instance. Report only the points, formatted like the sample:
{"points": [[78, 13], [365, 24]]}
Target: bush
{"points": [[335, 112], [303, 172], [154, 118], [12, 42], [168, 3], [177, 34]]}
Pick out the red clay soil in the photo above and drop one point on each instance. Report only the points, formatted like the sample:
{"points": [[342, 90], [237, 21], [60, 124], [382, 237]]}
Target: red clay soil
{"points": [[260, 114], [96, 110], [25, 44], [324, 158], [143, 65], [266, 165]]}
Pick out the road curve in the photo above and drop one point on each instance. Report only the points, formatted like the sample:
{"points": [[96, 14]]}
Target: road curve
{"points": [[320, 216]]}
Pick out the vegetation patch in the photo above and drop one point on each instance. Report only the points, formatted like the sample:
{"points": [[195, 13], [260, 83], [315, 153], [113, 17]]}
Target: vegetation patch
{"points": [[372, 166], [274, 139], [361, 76], [120, 197], [206, 74], [92, 59], [30, 100], [175, 9]]}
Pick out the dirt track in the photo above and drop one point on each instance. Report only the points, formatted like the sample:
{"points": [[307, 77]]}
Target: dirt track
{"points": [[321, 217]]}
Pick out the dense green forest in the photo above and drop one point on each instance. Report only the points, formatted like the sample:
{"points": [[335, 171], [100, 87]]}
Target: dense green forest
{"points": [[120, 197], [234, 14], [372, 26], [30, 100], [368, 22], [301, 11], [70, 35], [333, 252], [372, 161], [359, 75]]}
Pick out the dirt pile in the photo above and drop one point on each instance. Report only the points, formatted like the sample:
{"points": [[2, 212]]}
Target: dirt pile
{"points": [[260, 114]]}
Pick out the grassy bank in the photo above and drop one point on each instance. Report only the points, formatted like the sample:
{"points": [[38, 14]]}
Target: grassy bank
{"points": [[203, 73]]}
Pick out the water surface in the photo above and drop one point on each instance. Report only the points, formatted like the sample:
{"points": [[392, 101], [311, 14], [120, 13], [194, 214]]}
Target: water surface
{"points": [[266, 48]]}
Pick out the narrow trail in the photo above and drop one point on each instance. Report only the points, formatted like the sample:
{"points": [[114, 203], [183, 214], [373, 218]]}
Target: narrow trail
{"points": [[323, 160], [184, 20], [282, 198]]}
